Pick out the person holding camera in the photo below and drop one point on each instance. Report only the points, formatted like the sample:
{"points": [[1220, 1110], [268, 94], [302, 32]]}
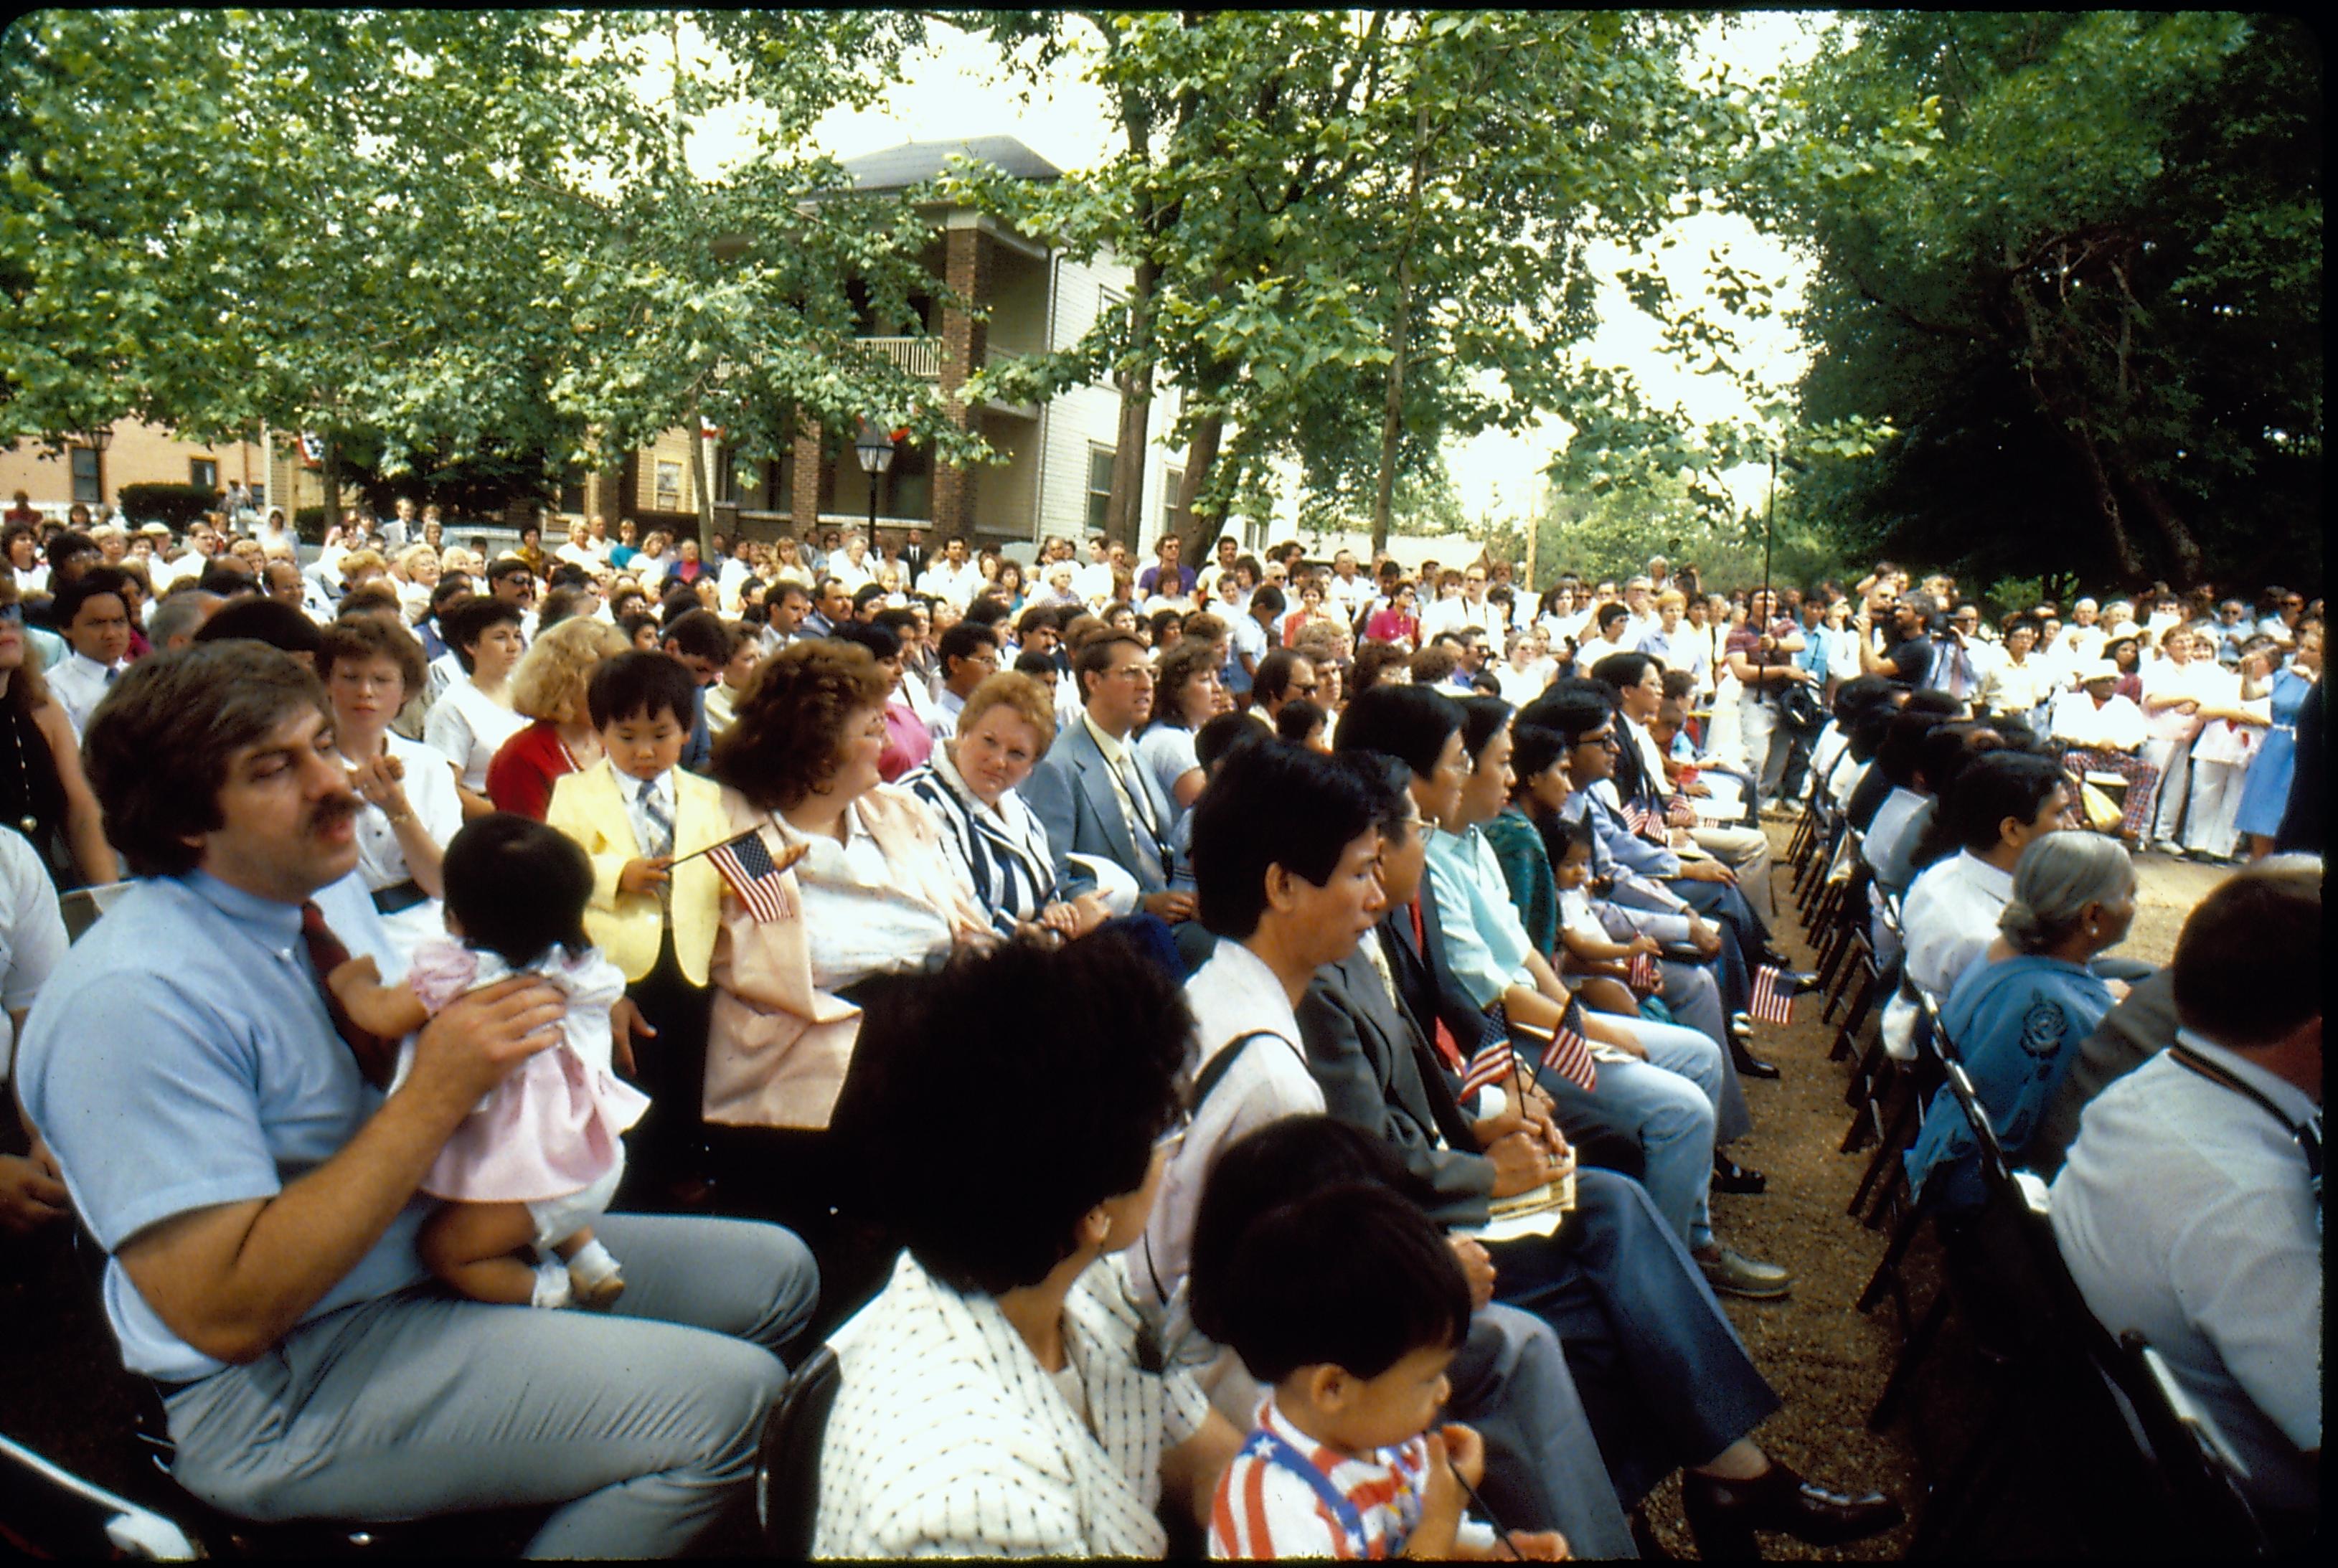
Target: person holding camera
{"points": [[1761, 655]]}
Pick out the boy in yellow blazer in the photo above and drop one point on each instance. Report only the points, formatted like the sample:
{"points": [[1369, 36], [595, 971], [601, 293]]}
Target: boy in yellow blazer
{"points": [[635, 813]]}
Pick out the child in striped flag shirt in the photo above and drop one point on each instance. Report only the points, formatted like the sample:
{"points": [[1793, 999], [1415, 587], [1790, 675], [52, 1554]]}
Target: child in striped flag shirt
{"points": [[1352, 1306]]}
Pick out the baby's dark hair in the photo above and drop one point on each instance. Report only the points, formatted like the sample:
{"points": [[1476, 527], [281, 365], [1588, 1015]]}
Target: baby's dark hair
{"points": [[518, 887], [1353, 1276], [1573, 834]]}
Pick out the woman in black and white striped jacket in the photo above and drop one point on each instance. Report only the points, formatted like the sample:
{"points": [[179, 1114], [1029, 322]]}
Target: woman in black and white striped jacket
{"points": [[996, 845]]}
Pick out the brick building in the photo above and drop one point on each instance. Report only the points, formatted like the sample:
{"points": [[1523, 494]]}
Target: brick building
{"points": [[138, 454]]}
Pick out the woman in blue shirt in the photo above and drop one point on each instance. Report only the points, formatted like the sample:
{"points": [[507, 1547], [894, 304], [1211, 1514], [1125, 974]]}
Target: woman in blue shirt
{"points": [[2016, 1018]]}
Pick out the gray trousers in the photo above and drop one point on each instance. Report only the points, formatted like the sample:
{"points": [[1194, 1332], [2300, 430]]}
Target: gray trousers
{"points": [[644, 1422], [1542, 1467]]}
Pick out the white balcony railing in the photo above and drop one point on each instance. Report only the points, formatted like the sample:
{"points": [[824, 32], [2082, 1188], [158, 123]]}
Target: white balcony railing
{"points": [[919, 356]]}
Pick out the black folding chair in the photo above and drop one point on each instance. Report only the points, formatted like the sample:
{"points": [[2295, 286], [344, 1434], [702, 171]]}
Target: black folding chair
{"points": [[787, 1471]]}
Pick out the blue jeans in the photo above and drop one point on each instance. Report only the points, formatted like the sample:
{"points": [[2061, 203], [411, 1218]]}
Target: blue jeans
{"points": [[1670, 1105]]}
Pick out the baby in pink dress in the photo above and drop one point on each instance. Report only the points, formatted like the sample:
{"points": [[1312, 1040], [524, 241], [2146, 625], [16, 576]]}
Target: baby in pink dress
{"points": [[538, 1160]]}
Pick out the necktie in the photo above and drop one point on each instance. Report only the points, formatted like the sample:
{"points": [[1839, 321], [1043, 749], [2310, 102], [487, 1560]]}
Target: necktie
{"points": [[1149, 851], [376, 1056], [661, 825], [1445, 1042], [110, 673]]}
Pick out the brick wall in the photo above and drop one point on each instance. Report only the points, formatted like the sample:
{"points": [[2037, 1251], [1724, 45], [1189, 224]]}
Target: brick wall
{"points": [[138, 455], [967, 261]]}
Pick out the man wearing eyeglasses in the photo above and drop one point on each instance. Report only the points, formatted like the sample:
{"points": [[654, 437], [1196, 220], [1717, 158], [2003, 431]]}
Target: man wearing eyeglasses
{"points": [[1100, 809], [1284, 675]]}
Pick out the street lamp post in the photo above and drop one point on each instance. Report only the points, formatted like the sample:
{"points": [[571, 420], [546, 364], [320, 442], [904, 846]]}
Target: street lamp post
{"points": [[874, 448], [97, 438]]}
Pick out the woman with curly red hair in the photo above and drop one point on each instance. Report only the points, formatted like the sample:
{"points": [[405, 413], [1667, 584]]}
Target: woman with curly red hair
{"points": [[869, 898]]}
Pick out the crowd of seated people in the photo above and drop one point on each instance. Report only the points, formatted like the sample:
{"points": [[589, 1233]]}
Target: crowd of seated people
{"points": [[1098, 1012]]}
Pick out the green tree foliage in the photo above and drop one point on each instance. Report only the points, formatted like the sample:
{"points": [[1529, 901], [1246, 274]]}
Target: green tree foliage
{"points": [[1356, 234], [445, 236], [2076, 257]]}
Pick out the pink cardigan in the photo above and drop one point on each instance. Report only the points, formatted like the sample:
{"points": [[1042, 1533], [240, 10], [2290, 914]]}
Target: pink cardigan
{"points": [[777, 1050]]}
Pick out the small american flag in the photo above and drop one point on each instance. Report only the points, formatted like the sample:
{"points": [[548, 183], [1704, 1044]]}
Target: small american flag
{"points": [[1643, 975], [1641, 820], [1569, 1053], [747, 870], [1773, 998], [1491, 1065]]}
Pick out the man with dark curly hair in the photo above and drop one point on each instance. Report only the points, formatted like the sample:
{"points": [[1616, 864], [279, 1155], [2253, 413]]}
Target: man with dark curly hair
{"points": [[257, 1197]]}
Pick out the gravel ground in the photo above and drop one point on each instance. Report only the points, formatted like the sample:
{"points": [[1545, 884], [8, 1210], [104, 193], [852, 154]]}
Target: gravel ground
{"points": [[62, 1392], [1823, 1357]]}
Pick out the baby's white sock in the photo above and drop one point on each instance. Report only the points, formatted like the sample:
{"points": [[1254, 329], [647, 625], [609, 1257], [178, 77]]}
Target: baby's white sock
{"points": [[552, 1287], [592, 1263]]}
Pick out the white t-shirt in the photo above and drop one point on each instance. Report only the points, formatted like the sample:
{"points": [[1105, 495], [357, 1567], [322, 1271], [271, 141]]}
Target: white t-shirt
{"points": [[468, 728], [429, 786]]}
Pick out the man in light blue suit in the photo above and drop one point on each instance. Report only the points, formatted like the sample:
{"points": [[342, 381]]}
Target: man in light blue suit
{"points": [[1089, 792]]}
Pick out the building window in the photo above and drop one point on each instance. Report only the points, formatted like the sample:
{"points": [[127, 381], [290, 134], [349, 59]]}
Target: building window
{"points": [[1099, 485], [1173, 516], [669, 487], [725, 475], [202, 473], [85, 486], [1111, 303]]}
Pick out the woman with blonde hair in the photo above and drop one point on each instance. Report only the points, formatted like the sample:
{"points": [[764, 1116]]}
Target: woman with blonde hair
{"points": [[548, 687], [994, 844], [417, 569]]}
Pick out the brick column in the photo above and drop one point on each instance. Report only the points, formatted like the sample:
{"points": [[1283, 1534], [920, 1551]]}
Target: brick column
{"points": [[604, 496], [965, 347], [803, 485]]}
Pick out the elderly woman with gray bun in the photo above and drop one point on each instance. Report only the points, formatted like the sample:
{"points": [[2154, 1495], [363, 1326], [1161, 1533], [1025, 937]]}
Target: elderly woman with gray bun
{"points": [[2017, 1018]]}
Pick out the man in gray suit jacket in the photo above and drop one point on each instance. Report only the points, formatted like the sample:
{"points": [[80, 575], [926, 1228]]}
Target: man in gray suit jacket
{"points": [[1091, 794]]}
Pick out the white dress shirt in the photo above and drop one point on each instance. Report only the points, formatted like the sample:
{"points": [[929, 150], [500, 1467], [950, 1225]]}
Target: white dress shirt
{"points": [[957, 584], [2201, 680], [858, 922], [467, 727], [1950, 918], [948, 1438], [1232, 995], [2184, 1213], [79, 684], [2006, 687], [429, 788]]}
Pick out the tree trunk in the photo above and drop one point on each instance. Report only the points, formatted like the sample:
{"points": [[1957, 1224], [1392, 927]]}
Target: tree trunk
{"points": [[2067, 414], [1399, 346], [331, 511], [1123, 511], [2178, 534], [1201, 456], [698, 472]]}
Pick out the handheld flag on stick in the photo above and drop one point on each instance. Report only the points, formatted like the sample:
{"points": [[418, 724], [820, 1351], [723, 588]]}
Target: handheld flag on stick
{"points": [[1568, 1053], [749, 869], [1773, 996], [1643, 975]]}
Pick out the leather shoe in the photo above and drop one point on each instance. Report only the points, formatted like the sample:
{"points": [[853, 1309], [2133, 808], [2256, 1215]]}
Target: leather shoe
{"points": [[1748, 1064], [1732, 1273], [1729, 1176], [1723, 1515]]}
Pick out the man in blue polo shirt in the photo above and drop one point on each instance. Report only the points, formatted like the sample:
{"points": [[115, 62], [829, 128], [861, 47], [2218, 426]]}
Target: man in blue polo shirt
{"points": [[256, 1196]]}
